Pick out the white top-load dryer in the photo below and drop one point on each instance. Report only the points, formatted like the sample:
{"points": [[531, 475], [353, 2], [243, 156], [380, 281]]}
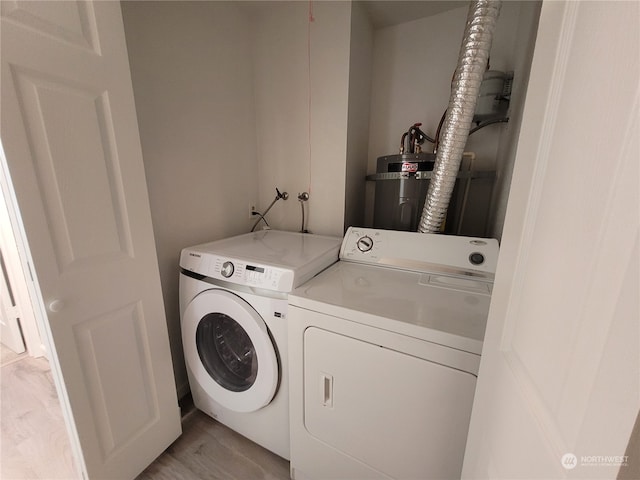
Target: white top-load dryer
{"points": [[384, 350], [233, 307]]}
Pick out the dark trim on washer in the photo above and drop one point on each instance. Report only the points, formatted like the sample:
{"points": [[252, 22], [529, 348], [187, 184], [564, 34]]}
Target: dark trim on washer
{"points": [[234, 287]]}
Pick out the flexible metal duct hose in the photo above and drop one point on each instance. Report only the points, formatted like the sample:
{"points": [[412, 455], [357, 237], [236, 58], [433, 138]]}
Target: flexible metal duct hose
{"points": [[465, 87]]}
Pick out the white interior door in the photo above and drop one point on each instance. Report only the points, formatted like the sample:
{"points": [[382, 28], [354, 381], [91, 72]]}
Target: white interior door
{"points": [[73, 153], [558, 388], [10, 334], [24, 331]]}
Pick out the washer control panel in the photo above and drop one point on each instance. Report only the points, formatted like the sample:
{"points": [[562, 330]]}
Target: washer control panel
{"points": [[238, 271], [420, 252]]}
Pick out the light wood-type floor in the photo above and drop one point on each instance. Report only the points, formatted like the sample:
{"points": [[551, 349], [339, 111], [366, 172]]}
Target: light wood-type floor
{"points": [[209, 450], [34, 444], [33, 441]]}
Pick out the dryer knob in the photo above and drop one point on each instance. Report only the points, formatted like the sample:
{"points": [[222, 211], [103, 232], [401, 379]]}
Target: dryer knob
{"points": [[227, 269], [364, 244]]}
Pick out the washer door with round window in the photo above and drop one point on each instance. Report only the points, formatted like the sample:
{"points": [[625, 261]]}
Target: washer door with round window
{"points": [[229, 351]]}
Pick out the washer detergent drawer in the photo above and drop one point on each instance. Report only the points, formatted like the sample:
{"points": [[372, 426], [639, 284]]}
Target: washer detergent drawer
{"points": [[403, 416]]}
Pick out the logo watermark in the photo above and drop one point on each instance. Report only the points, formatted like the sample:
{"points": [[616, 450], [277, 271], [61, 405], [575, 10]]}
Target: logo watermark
{"points": [[570, 461]]}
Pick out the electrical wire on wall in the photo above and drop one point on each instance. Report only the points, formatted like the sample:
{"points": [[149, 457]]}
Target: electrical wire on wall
{"points": [[304, 196], [311, 19]]}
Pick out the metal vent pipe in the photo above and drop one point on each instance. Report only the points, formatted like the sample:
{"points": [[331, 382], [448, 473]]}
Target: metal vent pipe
{"points": [[465, 88]]}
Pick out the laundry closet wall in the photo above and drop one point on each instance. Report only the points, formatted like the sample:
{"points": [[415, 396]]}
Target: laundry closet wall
{"points": [[301, 85], [193, 90], [222, 97], [229, 107]]}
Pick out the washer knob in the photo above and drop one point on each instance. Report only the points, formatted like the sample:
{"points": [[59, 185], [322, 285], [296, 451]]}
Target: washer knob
{"points": [[364, 244], [227, 269]]}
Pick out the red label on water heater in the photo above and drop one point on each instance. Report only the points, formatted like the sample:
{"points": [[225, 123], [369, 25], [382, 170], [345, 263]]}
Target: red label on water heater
{"points": [[410, 167]]}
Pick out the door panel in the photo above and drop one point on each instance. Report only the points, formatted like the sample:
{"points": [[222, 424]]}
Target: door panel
{"points": [[67, 123], [72, 22], [70, 136], [120, 418]]}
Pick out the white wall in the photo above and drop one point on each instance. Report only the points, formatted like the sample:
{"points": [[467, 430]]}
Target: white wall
{"points": [[360, 68], [526, 25], [194, 99], [301, 115], [412, 68]]}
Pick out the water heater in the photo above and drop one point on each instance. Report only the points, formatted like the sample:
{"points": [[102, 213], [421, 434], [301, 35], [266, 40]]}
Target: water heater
{"points": [[401, 183]]}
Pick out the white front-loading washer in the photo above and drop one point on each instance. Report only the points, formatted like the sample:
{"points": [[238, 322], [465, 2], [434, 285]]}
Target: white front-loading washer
{"points": [[384, 350], [234, 318]]}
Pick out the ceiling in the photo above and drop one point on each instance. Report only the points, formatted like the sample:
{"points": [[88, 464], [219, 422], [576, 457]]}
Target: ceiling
{"points": [[385, 13], [382, 13]]}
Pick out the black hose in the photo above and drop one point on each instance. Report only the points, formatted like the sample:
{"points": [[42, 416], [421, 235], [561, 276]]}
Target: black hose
{"points": [[261, 218], [278, 197], [402, 149], [437, 140], [423, 135], [487, 123]]}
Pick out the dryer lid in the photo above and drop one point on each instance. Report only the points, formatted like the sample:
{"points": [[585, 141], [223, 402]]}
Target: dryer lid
{"points": [[409, 303]]}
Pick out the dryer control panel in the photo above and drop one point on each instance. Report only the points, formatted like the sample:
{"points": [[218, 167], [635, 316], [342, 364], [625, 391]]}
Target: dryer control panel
{"points": [[421, 252]]}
